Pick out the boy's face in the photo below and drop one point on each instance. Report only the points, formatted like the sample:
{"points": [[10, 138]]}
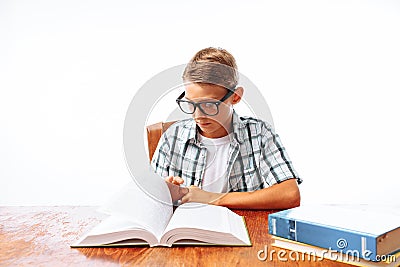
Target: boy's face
{"points": [[212, 126]]}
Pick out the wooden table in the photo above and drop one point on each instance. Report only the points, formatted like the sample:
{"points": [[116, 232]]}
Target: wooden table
{"points": [[40, 236]]}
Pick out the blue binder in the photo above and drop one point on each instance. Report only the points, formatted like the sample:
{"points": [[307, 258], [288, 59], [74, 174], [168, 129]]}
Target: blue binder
{"points": [[369, 234]]}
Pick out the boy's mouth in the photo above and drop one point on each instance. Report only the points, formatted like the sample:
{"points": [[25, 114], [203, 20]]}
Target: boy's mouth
{"points": [[203, 123]]}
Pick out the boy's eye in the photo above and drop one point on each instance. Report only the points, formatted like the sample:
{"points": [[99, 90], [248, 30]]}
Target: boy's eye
{"points": [[209, 105], [209, 108]]}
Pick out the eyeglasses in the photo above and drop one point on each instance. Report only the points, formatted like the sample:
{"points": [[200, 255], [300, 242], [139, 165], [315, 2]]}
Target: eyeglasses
{"points": [[210, 108]]}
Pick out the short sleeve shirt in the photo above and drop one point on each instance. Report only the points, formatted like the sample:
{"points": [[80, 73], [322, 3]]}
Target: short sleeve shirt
{"points": [[256, 157]]}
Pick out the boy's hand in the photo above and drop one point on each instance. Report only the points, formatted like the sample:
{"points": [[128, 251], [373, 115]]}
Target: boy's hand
{"points": [[176, 180], [176, 191], [196, 194]]}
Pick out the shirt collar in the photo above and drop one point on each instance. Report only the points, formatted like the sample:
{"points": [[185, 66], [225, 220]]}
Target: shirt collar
{"points": [[239, 128]]}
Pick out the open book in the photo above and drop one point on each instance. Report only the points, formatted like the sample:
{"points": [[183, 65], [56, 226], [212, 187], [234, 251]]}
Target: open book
{"points": [[138, 217]]}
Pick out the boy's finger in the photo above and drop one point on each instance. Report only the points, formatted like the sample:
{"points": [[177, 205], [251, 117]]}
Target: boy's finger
{"points": [[169, 179], [178, 179], [183, 190], [176, 191], [185, 199]]}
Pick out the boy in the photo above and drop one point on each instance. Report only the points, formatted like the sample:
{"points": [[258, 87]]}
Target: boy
{"points": [[224, 159]]}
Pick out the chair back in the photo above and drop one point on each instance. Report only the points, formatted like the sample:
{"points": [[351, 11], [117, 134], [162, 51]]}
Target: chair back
{"points": [[154, 133]]}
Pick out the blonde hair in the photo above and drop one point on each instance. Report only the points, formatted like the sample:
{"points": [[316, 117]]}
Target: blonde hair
{"points": [[214, 66]]}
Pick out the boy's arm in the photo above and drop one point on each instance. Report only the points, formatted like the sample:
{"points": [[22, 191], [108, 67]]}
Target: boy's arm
{"points": [[284, 195]]}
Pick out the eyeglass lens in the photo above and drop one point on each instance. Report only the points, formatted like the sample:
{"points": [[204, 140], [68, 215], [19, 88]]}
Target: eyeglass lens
{"points": [[206, 107]]}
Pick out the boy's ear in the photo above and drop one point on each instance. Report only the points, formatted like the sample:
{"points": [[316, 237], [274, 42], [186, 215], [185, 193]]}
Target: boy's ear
{"points": [[237, 96]]}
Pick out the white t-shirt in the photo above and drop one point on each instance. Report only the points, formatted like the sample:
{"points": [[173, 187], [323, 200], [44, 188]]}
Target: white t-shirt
{"points": [[215, 177]]}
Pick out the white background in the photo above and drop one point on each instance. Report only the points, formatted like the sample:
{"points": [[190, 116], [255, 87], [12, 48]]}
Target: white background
{"points": [[329, 71]]}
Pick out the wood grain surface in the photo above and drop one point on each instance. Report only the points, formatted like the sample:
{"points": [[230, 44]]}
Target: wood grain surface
{"points": [[41, 236]]}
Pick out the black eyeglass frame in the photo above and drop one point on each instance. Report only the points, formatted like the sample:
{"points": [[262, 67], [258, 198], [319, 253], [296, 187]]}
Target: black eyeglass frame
{"points": [[197, 104]]}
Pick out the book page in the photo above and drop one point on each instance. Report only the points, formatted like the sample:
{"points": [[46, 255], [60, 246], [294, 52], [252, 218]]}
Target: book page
{"points": [[139, 207], [200, 216], [205, 224], [236, 224], [114, 229], [114, 224]]}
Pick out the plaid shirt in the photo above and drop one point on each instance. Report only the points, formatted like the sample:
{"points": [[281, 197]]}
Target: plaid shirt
{"points": [[256, 159]]}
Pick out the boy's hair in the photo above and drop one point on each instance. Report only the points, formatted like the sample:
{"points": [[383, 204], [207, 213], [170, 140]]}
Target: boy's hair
{"points": [[214, 66]]}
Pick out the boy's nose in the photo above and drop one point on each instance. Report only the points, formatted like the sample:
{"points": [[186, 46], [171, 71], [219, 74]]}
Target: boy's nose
{"points": [[198, 113]]}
